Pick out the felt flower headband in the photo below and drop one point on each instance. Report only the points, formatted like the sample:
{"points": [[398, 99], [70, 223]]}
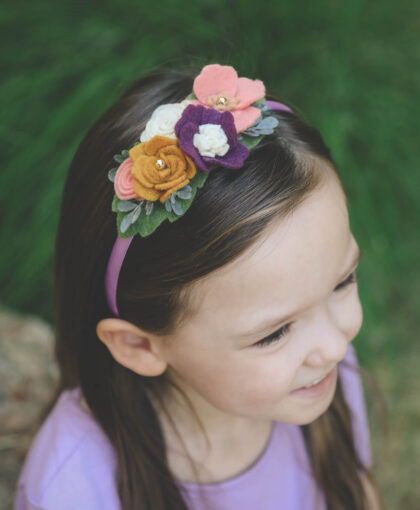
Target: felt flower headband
{"points": [[217, 124]]}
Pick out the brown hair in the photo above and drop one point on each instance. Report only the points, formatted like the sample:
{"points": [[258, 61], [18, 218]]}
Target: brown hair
{"points": [[231, 211]]}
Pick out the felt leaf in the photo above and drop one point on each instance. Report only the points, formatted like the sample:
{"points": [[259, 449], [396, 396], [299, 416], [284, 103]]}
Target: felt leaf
{"points": [[149, 207], [196, 182], [268, 123], [125, 205], [251, 141], [265, 132], [115, 201], [130, 218], [258, 132], [168, 206], [136, 213], [118, 158], [191, 96], [264, 127], [259, 102], [146, 224], [111, 174], [256, 123], [125, 154], [125, 223], [176, 207], [251, 132], [185, 192]]}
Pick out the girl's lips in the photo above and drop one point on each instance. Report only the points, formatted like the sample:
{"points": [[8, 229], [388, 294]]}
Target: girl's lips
{"points": [[317, 389]]}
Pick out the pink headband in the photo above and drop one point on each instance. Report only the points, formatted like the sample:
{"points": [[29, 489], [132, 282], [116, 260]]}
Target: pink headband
{"points": [[121, 246]]}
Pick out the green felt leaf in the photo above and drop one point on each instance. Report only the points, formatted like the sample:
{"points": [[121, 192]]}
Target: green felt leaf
{"points": [[263, 127], [118, 158], [125, 205], [145, 224], [115, 201], [250, 141], [136, 213], [111, 174], [177, 208], [125, 223], [268, 123], [184, 192], [191, 96], [149, 207], [260, 101]]}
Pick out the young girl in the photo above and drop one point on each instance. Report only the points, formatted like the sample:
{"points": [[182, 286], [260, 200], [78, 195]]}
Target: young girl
{"points": [[206, 301]]}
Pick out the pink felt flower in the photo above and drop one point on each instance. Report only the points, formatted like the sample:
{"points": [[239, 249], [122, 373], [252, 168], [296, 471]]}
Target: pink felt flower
{"points": [[219, 87], [123, 182]]}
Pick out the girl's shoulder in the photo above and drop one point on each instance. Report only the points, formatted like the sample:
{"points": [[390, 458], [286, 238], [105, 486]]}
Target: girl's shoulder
{"points": [[70, 463], [353, 391]]}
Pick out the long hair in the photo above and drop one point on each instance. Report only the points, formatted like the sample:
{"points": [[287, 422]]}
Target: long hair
{"points": [[232, 210]]}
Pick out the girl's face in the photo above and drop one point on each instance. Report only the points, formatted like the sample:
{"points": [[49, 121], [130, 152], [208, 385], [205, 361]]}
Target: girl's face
{"points": [[297, 280]]}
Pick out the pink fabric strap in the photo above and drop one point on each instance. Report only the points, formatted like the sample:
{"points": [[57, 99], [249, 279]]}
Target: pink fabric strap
{"points": [[121, 246]]}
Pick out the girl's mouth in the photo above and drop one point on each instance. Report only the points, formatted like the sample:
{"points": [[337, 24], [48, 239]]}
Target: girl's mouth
{"points": [[319, 388]]}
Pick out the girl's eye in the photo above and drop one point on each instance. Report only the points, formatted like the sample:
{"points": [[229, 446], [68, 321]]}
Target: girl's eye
{"points": [[274, 337], [352, 278]]}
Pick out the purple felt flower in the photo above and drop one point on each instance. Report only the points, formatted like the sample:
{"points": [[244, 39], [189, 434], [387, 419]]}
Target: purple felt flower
{"points": [[188, 126]]}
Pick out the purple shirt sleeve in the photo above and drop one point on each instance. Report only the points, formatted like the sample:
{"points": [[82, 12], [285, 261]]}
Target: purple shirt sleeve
{"points": [[70, 464]]}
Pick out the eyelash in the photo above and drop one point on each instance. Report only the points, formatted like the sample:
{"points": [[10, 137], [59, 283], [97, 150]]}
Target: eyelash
{"points": [[274, 337]]}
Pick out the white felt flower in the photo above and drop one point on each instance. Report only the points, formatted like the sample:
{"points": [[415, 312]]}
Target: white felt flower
{"points": [[163, 120], [211, 140]]}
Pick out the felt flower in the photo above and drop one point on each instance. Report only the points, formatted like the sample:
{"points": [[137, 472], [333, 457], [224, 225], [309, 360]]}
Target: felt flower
{"points": [[123, 183], [159, 168], [209, 144], [220, 88], [211, 140], [163, 120]]}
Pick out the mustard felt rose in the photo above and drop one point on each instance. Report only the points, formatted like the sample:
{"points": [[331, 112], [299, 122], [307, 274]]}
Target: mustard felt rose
{"points": [[159, 168]]}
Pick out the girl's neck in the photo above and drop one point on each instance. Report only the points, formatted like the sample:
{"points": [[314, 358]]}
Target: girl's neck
{"points": [[226, 457], [234, 444]]}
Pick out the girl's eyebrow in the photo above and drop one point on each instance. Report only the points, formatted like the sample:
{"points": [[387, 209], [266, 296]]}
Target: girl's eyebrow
{"points": [[270, 323]]}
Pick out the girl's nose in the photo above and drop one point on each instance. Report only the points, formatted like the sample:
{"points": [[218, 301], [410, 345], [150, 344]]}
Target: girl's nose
{"points": [[328, 346]]}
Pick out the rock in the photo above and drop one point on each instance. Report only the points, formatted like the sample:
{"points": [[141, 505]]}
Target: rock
{"points": [[28, 375]]}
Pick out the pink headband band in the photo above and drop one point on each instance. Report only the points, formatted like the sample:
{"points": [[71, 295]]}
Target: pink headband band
{"points": [[121, 246]]}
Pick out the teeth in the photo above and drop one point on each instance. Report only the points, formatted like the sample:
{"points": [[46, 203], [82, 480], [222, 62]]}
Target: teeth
{"points": [[315, 382]]}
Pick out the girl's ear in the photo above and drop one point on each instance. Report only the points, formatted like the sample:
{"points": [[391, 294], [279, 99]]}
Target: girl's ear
{"points": [[131, 347]]}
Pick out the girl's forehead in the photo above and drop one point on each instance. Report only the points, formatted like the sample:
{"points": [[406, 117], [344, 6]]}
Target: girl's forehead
{"points": [[297, 257]]}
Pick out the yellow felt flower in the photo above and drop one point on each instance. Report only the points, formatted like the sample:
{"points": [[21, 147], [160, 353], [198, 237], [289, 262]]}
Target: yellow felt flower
{"points": [[159, 168]]}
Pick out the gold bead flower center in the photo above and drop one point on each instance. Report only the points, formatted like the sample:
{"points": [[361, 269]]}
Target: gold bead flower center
{"points": [[160, 164], [222, 102]]}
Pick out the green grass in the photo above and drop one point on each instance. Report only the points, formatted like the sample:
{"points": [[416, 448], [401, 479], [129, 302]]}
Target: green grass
{"points": [[350, 68]]}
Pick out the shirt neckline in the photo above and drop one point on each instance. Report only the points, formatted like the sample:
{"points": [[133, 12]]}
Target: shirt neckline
{"points": [[250, 471]]}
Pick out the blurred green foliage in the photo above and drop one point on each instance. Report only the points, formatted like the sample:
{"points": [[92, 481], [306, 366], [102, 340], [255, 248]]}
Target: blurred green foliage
{"points": [[351, 69]]}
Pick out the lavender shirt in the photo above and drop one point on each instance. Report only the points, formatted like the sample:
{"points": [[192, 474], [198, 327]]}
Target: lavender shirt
{"points": [[71, 463]]}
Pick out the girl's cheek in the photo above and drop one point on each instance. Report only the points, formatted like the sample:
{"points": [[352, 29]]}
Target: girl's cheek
{"points": [[354, 317], [347, 314], [273, 379]]}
